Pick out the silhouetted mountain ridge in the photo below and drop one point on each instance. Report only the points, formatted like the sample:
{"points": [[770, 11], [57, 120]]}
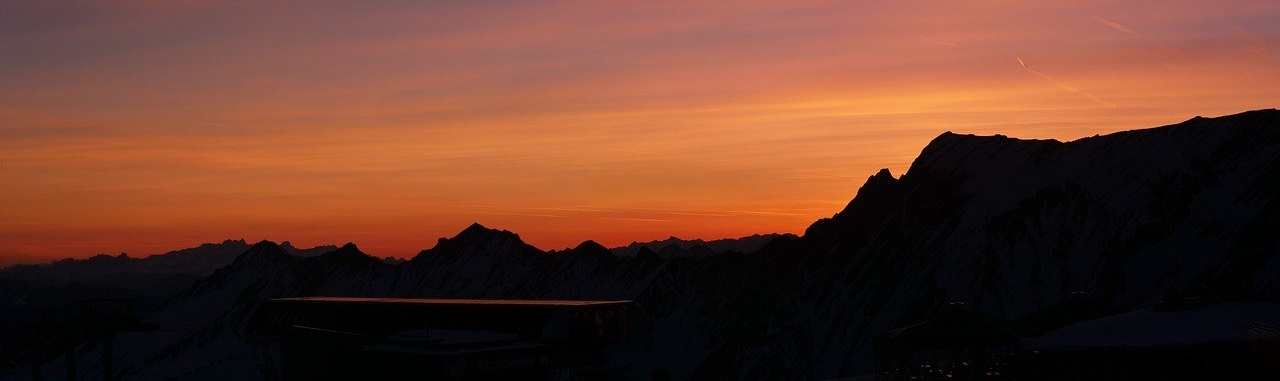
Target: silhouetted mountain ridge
{"points": [[1007, 226], [311, 252], [200, 260], [675, 247], [348, 254]]}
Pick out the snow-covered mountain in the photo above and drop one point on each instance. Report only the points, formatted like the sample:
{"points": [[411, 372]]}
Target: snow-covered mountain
{"points": [[1005, 225]]}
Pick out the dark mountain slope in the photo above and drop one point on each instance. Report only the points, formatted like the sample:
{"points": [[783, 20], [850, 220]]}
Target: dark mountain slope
{"points": [[1009, 226]]}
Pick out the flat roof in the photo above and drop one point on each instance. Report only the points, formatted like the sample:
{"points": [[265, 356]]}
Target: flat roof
{"points": [[469, 302], [1221, 322]]}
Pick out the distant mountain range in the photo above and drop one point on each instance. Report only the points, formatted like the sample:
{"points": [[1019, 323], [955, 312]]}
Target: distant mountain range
{"points": [[1007, 226], [196, 262], [697, 248]]}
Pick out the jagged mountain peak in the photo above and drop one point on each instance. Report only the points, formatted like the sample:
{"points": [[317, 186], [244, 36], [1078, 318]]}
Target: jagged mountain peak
{"points": [[883, 173], [264, 245], [109, 256], [230, 242], [290, 248], [347, 250], [591, 246], [348, 253], [588, 251], [880, 180], [263, 250], [477, 239], [474, 227], [880, 191], [479, 233]]}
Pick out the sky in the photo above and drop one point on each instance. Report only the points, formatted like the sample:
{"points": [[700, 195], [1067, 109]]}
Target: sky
{"points": [[147, 126]]}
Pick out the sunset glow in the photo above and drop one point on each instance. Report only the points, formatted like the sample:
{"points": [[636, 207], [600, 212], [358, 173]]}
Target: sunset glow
{"points": [[146, 126]]}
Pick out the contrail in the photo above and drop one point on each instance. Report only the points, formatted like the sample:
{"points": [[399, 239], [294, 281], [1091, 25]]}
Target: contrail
{"points": [[1180, 55], [937, 41], [1064, 86], [636, 219], [1117, 26], [504, 213]]}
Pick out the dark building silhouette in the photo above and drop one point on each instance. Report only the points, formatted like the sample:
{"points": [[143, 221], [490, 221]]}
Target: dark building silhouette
{"points": [[61, 330], [335, 338], [1194, 337], [1211, 340]]}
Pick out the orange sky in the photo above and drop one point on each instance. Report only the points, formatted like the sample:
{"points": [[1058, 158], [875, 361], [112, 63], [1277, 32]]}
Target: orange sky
{"points": [[144, 126]]}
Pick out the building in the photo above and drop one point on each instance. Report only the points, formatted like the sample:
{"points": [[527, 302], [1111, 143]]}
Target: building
{"points": [[1211, 340], [338, 338], [1076, 308]]}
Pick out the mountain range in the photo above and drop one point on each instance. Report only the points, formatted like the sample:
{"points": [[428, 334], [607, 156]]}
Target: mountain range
{"points": [[696, 248], [1007, 226]]}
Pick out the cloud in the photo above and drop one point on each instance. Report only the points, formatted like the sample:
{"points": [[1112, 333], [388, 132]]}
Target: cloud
{"points": [[937, 41]]}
